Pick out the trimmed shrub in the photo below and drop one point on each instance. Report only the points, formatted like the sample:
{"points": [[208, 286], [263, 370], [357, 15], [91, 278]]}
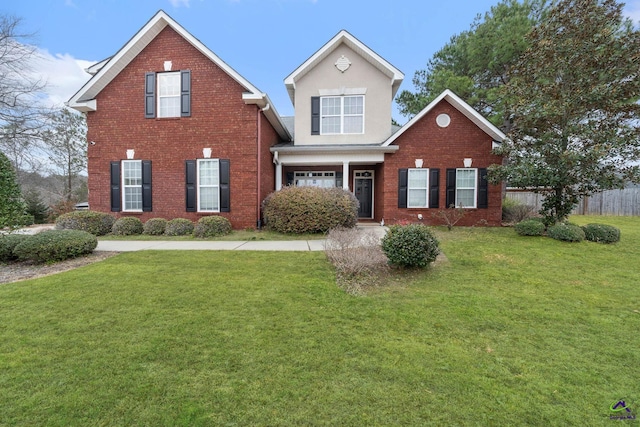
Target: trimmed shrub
{"points": [[154, 226], [301, 210], [566, 232], [211, 226], [410, 246], [178, 227], [8, 242], [55, 245], [601, 233], [530, 227], [515, 212], [96, 223], [127, 226]]}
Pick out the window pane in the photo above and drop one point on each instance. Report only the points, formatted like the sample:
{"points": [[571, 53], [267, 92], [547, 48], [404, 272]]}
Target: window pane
{"points": [[353, 105], [209, 174], [132, 198], [417, 199], [169, 84], [465, 198], [330, 106], [418, 178], [208, 198], [331, 125], [353, 124], [169, 107], [466, 178], [132, 173]]}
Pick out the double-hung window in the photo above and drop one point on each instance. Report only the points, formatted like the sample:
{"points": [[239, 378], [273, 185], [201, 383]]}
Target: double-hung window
{"points": [[132, 185], [169, 94], [418, 188], [342, 115], [466, 187], [208, 185]]}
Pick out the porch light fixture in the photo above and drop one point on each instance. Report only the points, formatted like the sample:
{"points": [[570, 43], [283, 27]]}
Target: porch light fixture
{"points": [[206, 153], [467, 162], [130, 154], [419, 163]]}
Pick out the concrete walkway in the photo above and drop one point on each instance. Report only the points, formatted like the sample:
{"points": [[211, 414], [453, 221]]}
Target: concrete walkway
{"points": [[251, 245]]}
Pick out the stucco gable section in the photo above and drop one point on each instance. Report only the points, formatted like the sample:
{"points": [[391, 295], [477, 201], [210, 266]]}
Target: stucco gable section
{"points": [[105, 71], [343, 37], [464, 108]]}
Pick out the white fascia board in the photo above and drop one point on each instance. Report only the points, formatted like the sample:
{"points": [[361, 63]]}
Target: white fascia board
{"points": [[353, 43], [339, 149], [134, 46], [459, 105], [327, 158]]}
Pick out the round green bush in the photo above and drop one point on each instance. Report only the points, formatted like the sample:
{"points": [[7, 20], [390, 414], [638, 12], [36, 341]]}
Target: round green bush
{"points": [[299, 210], [211, 226], [178, 227], [529, 227], [127, 226], [410, 245], [601, 233], [8, 242], [55, 245], [96, 223], [566, 232], [154, 226]]}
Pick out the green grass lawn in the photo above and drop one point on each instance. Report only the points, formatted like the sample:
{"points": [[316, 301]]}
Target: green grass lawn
{"points": [[509, 331]]}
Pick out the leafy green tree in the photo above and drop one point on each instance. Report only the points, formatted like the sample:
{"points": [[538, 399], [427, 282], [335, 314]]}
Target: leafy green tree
{"points": [[574, 95], [475, 63], [35, 206], [66, 144], [11, 204]]}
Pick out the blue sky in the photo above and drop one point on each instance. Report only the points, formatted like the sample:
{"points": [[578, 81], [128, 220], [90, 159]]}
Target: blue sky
{"points": [[264, 40]]}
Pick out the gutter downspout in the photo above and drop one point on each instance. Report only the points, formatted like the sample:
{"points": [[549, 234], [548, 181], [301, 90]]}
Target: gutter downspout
{"points": [[259, 180]]}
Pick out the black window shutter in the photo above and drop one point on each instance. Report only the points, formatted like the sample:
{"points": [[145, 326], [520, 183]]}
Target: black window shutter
{"points": [[434, 188], [146, 186], [185, 93], [451, 187], [150, 96], [190, 180], [290, 178], [115, 187], [483, 189], [315, 115], [403, 181], [225, 193]]}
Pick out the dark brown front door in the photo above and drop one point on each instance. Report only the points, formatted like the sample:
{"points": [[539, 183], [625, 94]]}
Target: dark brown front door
{"points": [[364, 193]]}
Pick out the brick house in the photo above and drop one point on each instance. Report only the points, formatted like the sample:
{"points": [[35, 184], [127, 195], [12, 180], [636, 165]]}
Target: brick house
{"points": [[175, 132]]}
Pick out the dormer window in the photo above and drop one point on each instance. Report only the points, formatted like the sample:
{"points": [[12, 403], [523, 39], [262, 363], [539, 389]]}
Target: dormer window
{"points": [[341, 115]]}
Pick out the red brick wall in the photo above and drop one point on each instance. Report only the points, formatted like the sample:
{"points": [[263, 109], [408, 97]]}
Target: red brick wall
{"points": [[219, 120], [441, 148]]}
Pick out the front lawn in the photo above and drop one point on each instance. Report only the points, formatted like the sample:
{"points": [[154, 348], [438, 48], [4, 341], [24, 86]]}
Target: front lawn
{"points": [[510, 330]]}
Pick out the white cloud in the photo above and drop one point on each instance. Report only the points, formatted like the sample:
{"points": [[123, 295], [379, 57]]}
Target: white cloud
{"points": [[632, 10], [179, 3], [63, 74]]}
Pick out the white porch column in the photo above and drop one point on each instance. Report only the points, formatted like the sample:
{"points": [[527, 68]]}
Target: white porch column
{"points": [[278, 176], [345, 175]]}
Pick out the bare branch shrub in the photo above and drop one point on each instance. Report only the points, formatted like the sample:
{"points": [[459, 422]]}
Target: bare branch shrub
{"points": [[451, 216], [357, 258]]}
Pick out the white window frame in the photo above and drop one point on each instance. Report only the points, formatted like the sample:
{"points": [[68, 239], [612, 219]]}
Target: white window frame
{"points": [[199, 186], [161, 78], [323, 177], [425, 188], [125, 186], [474, 188], [341, 114]]}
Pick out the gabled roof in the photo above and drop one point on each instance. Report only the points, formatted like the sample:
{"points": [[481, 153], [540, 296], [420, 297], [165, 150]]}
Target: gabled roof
{"points": [[354, 44], [105, 71], [459, 105]]}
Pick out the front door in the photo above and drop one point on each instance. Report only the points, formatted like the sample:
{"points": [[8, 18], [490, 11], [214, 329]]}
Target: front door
{"points": [[364, 193]]}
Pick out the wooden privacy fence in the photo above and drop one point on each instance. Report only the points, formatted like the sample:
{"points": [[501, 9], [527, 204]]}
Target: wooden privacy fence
{"points": [[624, 202]]}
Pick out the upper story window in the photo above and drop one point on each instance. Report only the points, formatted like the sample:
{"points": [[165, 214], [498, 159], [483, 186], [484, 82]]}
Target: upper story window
{"points": [[342, 115], [169, 94]]}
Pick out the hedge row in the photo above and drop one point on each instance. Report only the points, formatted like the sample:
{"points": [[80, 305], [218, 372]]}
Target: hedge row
{"points": [[568, 232], [47, 246]]}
